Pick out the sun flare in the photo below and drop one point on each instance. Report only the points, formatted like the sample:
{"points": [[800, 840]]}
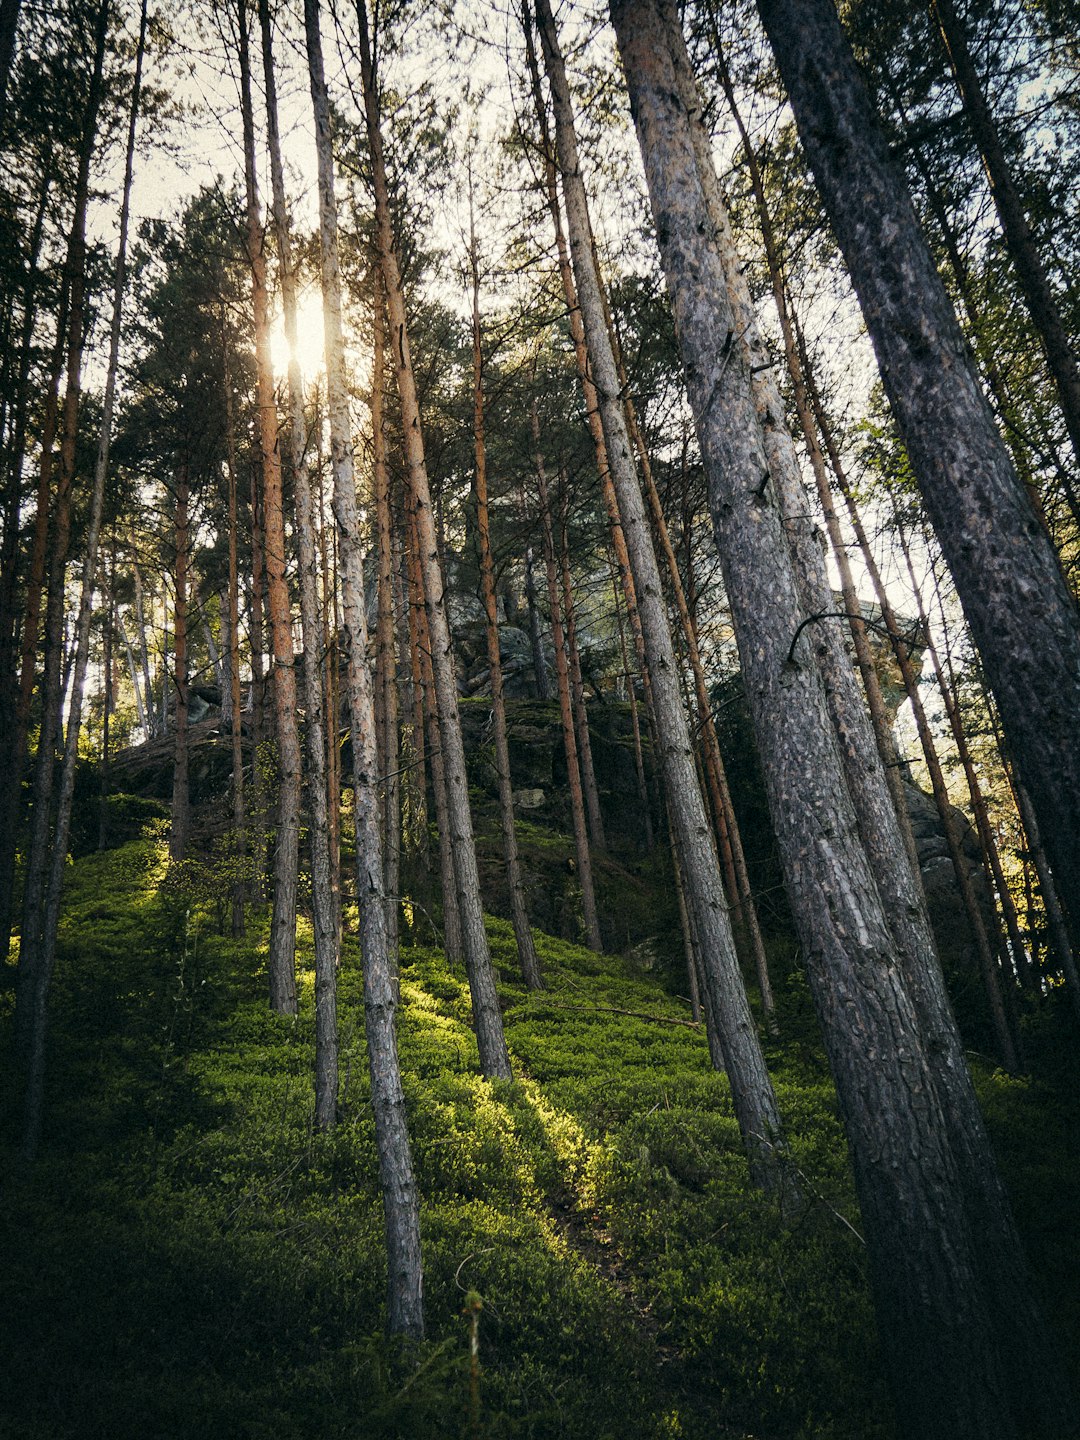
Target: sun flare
{"points": [[309, 338]]}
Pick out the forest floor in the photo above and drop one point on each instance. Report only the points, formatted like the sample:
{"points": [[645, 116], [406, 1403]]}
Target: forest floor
{"points": [[188, 1259]]}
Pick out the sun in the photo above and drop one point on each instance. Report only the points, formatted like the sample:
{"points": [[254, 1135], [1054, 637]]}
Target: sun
{"points": [[309, 337]]}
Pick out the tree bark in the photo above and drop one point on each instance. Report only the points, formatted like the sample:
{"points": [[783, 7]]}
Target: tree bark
{"points": [[323, 915], [453, 942], [593, 938], [400, 1200], [282, 956], [1023, 250], [635, 725], [18, 746], [180, 814], [50, 920], [752, 1093], [536, 639], [29, 1014], [871, 685], [144, 650], [9, 23], [919, 1198], [526, 948], [108, 701], [1023, 618], [236, 734], [487, 1018], [385, 657], [577, 685]]}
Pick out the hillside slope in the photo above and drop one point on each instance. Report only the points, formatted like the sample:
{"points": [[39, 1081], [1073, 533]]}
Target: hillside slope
{"points": [[188, 1259]]}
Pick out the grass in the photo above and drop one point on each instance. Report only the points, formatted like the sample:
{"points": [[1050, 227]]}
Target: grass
{"points": [[189, 1259]]}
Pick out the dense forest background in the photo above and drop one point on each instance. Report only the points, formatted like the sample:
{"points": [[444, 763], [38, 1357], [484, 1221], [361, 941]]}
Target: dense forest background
{"points": [[540, 716]]}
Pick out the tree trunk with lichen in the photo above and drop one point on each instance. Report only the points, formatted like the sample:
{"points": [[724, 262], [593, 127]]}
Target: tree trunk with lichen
{"points": [[911, 1170], [1023, 618], [752, 1092]]}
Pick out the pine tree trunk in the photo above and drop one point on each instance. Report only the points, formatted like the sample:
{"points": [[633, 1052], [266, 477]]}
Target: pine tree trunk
{"points": [[133, 675], [400, 1200], [18, 746], [1023, 618], [526, 948], [329, 630], [1020, 440], [257, 807], [752, 1092], [1027, 262], [1004, 1032], [1061, 941], [536, 639], [635, 726], [871, 684], [385, 657], [144, 651], [453, 942], [593, 938], [282, 957], [906, 1107], [323, 915], [9, 22], [950, 699], [236, 733], [29, 991], [81, 649], [180, 814], [108, 702], [487, 1017], [13, 452], [577, 685]]}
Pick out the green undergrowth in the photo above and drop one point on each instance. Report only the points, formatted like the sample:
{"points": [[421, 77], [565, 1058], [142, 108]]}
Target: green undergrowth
{"points": [[189, 1259]]}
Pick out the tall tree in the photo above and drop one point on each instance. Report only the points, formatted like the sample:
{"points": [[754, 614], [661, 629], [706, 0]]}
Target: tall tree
{"points": [[1030, 270], [30, 946], [752, 1092], [914, 1175], [487, 1017], [1023, 618], [282, 959], [530, 966], [400, 1200], [50, 919], [562, 686], [323, 918]]}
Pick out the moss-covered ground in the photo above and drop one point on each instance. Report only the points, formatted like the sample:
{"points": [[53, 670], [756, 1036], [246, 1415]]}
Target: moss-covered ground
{"points": [[188, 1259]]}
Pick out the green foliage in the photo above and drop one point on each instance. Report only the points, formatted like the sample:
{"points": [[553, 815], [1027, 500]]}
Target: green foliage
{"points": [[190, 1258]]}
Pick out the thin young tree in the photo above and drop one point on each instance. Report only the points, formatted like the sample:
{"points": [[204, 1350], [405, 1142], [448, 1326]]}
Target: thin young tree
{"points": [[50, 919], [562, 685], [52, 678], [386, 691], [322, 899], [487, 1017], [526, 948], [400, 1201], [180, 806], [752, 1092], [282, 957]]}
